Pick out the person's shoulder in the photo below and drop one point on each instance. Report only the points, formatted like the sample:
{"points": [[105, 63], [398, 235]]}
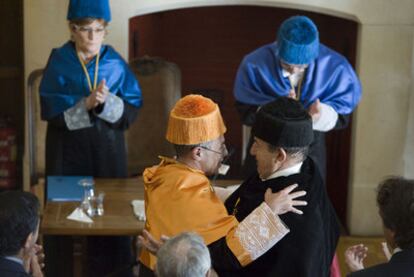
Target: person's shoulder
{"points": [[334, 57], [63, 53], [169, 173], [109, 52], [325, 50], [11, 269], [309, 167], [64, 49], [185, 177], [261, 53]]}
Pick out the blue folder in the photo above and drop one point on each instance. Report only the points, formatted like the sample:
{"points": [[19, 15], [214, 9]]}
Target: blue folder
{"points": [[65, 188]]}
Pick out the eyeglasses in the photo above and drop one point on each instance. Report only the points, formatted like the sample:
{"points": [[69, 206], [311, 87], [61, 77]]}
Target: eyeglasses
{"points": [[100, 31], [214, 151]]}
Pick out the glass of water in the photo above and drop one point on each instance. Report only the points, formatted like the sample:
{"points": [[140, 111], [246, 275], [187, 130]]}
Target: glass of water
{"points": [[95, 205], [99, 204], [88, 194]]}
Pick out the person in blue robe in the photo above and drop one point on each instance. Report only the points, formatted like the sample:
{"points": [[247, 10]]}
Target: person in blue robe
{"points": [[82, 141], [89, 97], [298, 66]]}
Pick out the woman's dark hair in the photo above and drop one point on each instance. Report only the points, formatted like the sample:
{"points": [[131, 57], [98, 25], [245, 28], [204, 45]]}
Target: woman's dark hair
{"points": [[19, 216], [395, 200]]}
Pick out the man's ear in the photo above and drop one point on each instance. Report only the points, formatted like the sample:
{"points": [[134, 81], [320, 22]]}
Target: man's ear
{"points": [[281, 155], [196, 153]]}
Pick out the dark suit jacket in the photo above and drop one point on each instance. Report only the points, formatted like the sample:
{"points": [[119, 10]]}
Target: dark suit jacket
{"points": [[10, 268], [401, 265]]}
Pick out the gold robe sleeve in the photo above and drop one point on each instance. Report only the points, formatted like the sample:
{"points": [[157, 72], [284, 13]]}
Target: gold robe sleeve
{"points": [[256, 234]]}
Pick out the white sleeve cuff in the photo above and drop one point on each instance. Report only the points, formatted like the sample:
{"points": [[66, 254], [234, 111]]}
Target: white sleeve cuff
{"points": [[260, 230], [327, 120], [112, 109], [77, 117]]}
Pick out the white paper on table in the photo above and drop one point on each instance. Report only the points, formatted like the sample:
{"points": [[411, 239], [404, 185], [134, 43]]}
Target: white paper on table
{"points": [[79, 215], [139, 209]]}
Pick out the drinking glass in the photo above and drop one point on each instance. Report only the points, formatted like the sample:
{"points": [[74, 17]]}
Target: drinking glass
{"points": [[88, 194]]}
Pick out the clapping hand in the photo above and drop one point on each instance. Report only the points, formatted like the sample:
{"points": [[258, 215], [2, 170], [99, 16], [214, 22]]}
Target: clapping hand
{"points": [[34, 260], [98, 96], [354, 257]]}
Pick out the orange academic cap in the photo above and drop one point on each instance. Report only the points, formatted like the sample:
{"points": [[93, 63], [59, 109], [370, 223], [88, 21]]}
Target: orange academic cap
{"points": [[194, 119]]}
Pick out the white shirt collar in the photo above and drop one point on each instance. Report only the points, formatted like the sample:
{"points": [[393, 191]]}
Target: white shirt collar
{"points": [[396, 250], [295, 77], [14, 259], [294, 169]]}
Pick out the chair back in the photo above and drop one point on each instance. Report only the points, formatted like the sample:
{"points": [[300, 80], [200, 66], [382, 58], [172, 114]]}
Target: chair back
{"points": [[160, 82], [36, 132]]}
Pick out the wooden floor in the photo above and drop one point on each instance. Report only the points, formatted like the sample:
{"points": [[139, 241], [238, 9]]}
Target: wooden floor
{"points": [[375, 255]]}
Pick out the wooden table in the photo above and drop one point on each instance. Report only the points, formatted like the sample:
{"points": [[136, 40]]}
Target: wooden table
{"points": [[118, 218]]}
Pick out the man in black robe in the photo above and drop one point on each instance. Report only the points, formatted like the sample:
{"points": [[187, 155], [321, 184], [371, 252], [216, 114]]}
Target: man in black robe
{"points": [[282, 135]]}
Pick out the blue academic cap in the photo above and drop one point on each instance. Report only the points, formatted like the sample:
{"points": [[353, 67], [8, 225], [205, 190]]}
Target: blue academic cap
{"points": [[298, 40], [89, 8]]}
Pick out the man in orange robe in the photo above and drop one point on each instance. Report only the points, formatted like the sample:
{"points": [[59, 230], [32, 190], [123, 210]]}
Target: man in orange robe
{"points": [[179, 196]]}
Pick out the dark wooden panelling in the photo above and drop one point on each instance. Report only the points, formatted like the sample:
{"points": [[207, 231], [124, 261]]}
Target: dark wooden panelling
{"points": [[208, 44], [12, 71]]}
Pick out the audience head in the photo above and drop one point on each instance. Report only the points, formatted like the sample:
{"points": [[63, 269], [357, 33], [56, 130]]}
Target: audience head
{"points": [[282, 134], [196, 129], [19, 221], [184, 255], [395, 201]]}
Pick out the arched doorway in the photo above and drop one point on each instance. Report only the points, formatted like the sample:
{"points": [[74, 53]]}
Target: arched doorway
{"points": [[208, 43]]}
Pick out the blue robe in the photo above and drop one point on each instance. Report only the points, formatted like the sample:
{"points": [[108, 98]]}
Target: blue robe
{"points": [[99, 150], [330, 78], [64, 83]]}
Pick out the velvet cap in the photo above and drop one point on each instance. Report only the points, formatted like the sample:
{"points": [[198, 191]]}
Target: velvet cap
{"points": [[284, 123], [194, 119], [297, 41], [99, 9]]}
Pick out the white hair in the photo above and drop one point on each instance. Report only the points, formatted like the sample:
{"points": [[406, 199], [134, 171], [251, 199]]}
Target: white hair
{"points": [[184, 255]]}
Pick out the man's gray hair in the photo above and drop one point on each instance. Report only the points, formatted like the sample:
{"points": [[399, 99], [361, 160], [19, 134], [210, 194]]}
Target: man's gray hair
{"points": [[184, 255]]}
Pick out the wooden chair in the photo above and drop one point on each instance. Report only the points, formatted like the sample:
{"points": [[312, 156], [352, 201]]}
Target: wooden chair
{"points": [[160, 83], [36, 131]]}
